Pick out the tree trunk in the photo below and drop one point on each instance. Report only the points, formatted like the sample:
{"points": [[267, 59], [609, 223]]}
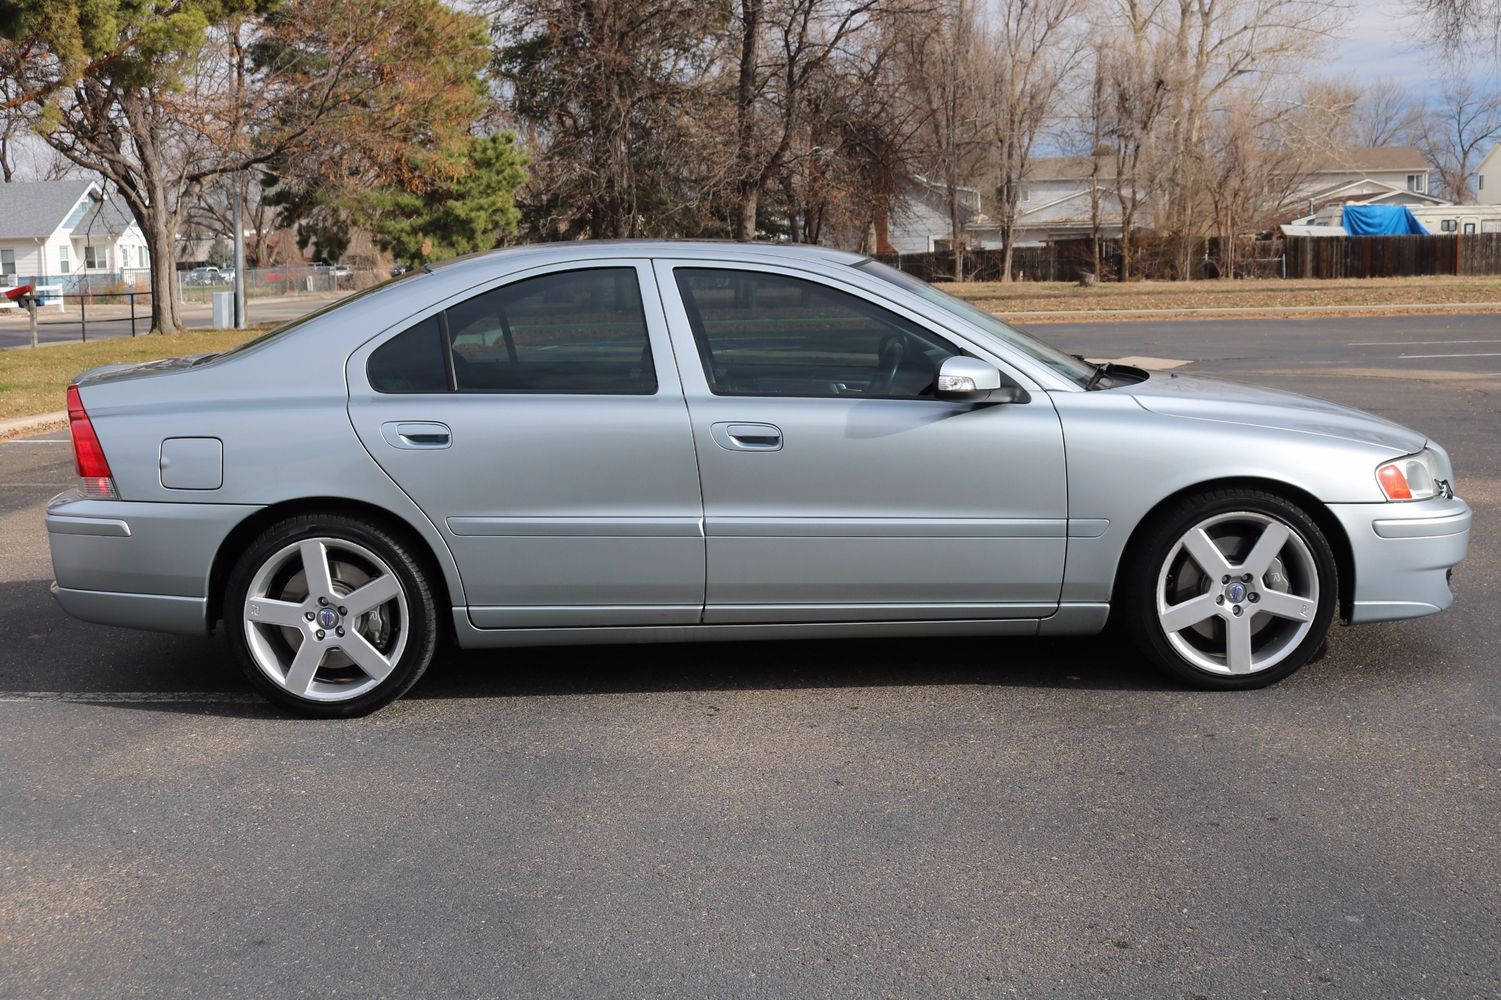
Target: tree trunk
{"points": [[745, 215], [749, 193], [158, 234]]}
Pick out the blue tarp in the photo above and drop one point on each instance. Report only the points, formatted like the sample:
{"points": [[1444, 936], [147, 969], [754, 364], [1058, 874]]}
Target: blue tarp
{"points": [[1381, 220]]}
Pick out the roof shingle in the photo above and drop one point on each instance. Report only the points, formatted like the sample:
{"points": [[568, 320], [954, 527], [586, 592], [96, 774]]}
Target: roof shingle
{"points": [[34, 209]]}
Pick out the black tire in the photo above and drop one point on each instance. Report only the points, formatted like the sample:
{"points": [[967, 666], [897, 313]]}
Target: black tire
{"points": [[421, 629], [1137, 588]]}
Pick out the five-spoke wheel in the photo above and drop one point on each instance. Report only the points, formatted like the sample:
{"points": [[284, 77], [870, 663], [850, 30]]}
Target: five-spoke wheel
{"points": [[1232, 589], [331, 616]]}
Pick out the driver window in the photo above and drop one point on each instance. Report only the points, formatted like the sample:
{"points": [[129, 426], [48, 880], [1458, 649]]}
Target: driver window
{"points": [[770, 335]]}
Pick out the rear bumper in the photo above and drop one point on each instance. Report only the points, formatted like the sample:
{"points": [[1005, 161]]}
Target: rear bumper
{"points": [[139, 565], [153, 612], [1403, 555]]}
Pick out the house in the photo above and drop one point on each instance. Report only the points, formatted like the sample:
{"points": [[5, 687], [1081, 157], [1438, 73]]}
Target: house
{"points": [[58, 232], [1380, 175], [919, 221], [1488, 177], [1058, 198], [1060, 195]]}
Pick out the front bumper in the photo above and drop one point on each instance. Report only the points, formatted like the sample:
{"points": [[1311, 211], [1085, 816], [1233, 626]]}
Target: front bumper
{"points": [[1403, 555], [139, 565]]}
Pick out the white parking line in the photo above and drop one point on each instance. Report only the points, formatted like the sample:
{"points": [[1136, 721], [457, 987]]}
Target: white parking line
{"points": [[1493, 354], [1414, 343], [132, 697]]}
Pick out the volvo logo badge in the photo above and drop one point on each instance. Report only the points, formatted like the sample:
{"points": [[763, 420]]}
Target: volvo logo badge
{"points": [[327, 618], [1236, 593]]}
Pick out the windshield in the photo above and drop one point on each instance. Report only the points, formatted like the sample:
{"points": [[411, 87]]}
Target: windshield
{"points": [[1066, 365]]}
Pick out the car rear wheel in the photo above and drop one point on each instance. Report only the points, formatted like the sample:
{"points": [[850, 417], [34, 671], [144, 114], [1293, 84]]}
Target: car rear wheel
{"points": [[330, 616], [1232, 589]]}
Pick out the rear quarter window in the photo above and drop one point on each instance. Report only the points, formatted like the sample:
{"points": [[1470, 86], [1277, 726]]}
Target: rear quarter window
{"points": [[411, 361]]}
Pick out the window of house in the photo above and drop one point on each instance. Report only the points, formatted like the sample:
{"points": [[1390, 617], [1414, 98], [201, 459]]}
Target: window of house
{"points": [[8, 263], [124, 258], [1417, 182], [1469, 229], [1480, 182], [1449, 225], [580, 331], [764, 334], [96, 257], [1490, 226], [63, 264]]}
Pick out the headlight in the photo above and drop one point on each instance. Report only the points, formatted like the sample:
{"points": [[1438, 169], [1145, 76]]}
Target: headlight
{"points": [[1412, 478]]}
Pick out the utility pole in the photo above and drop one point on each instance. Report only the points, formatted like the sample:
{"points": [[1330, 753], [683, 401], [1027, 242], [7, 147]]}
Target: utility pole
{"points": [[240, 319]]}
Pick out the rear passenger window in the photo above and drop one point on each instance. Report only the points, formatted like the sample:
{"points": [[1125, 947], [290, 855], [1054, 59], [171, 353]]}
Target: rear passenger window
{"points": [[410, 361], [569, 332]]}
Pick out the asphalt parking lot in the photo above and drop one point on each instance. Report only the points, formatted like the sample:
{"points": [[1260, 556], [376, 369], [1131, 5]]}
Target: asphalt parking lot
{"points": [[955, 818]]}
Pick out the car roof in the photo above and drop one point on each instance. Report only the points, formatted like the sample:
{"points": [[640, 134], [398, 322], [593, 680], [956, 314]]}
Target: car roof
{"points": [[521, 256]]}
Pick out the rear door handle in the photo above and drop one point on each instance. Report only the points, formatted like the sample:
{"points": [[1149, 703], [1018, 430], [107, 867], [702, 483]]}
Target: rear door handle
{"points": [[747, 437], [416, 434]]}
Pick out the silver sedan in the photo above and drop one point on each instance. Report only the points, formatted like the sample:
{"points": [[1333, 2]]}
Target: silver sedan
{"points": [[649, 442]]}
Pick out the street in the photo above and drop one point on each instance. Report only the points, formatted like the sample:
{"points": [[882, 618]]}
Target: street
{"points": [[861, 818]]}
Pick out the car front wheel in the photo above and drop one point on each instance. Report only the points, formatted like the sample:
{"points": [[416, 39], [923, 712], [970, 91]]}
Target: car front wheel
{"points": [[330, 616], [1232, 589]]}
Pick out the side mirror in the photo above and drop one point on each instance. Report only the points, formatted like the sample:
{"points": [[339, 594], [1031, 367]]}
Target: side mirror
{"points": [[971, 380]]}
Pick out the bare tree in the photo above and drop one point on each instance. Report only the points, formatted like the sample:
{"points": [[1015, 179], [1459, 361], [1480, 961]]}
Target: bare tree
{"points": [[1461, 22], [1384, 114], [783, 47], [1134, 86], [1034, 48], [1457, 124], [944, 67]]}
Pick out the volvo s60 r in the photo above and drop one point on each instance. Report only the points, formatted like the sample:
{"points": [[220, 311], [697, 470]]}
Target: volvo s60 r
{"points": [[645, 442]]}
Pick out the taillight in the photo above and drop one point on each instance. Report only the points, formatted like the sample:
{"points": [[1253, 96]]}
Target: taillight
{"points": [[88, 453]]}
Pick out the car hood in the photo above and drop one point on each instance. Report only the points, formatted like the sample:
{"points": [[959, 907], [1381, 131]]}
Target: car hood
{"points": [[1213, 399]]}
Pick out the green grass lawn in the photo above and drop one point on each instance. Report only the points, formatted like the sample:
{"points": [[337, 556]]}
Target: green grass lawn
{"points": [[33, 379]]}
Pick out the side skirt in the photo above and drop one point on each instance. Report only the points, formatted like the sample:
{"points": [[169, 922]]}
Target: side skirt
{"points": [[1070, 619]]}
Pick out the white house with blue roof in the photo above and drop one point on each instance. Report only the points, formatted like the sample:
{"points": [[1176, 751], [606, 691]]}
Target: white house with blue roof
{"points": [[58, 232]]}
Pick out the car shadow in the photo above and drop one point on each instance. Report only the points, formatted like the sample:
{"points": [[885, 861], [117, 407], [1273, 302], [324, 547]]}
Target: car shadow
{"points": [[47, 652], [1094, 662]]}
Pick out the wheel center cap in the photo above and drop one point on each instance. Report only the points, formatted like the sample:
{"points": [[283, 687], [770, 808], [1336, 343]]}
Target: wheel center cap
{"points": [[1236, 592], [327, 618]]}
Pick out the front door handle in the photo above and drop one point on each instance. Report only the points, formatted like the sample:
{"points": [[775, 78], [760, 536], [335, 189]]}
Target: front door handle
{"points": [[746, 436], [416, 434]]}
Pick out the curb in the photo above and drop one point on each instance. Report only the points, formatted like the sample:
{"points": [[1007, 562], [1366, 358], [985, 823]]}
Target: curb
{"points": [[1379, 310], [36, 422]]}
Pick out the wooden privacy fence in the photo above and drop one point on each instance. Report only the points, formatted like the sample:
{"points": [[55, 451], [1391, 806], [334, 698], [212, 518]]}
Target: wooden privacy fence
{"points": [[1474, 255], [1061, 260]]}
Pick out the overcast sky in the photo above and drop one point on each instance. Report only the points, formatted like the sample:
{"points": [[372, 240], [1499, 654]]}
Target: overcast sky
{"points": [[1378, 41]]}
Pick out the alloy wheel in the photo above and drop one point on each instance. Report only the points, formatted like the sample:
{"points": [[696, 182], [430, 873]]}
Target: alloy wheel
{"points": [[1237, 593], [326, 619]]}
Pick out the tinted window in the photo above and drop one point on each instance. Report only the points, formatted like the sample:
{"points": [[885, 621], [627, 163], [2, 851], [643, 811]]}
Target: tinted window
{"points": [[770, 335], [410, 361], [568, 332]]}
